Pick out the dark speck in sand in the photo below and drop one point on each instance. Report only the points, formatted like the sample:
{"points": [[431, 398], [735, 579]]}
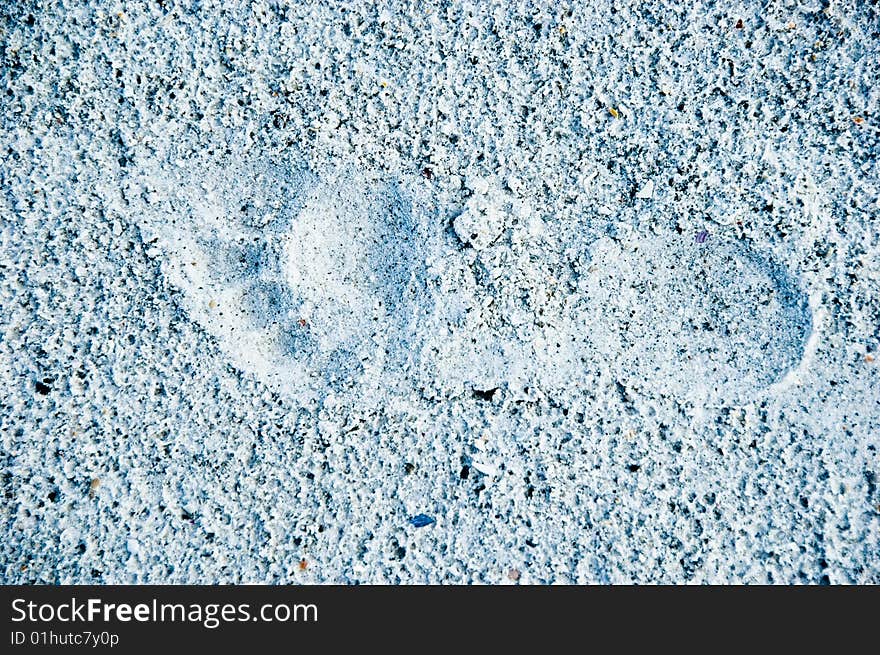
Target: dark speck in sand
{"points": [[421, 520], [484, 394]]}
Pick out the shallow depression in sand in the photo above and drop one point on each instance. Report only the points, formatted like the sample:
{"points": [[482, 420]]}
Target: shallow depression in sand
{"points": [[307, 282], [313, 283], [714, 320]]}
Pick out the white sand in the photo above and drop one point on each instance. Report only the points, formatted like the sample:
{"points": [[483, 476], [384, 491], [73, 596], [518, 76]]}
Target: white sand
{"points": [[596, 289]]}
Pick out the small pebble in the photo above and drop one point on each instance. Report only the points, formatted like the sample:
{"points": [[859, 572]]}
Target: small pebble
{"points": [[421, 520]]}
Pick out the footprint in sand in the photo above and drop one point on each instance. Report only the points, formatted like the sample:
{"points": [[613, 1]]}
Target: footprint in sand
{"points": [[699, 318], [314, 283], [711, 321], [307, 282]]}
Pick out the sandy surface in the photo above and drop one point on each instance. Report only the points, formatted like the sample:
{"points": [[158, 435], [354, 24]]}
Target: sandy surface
{"points": [[459, 292]]}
